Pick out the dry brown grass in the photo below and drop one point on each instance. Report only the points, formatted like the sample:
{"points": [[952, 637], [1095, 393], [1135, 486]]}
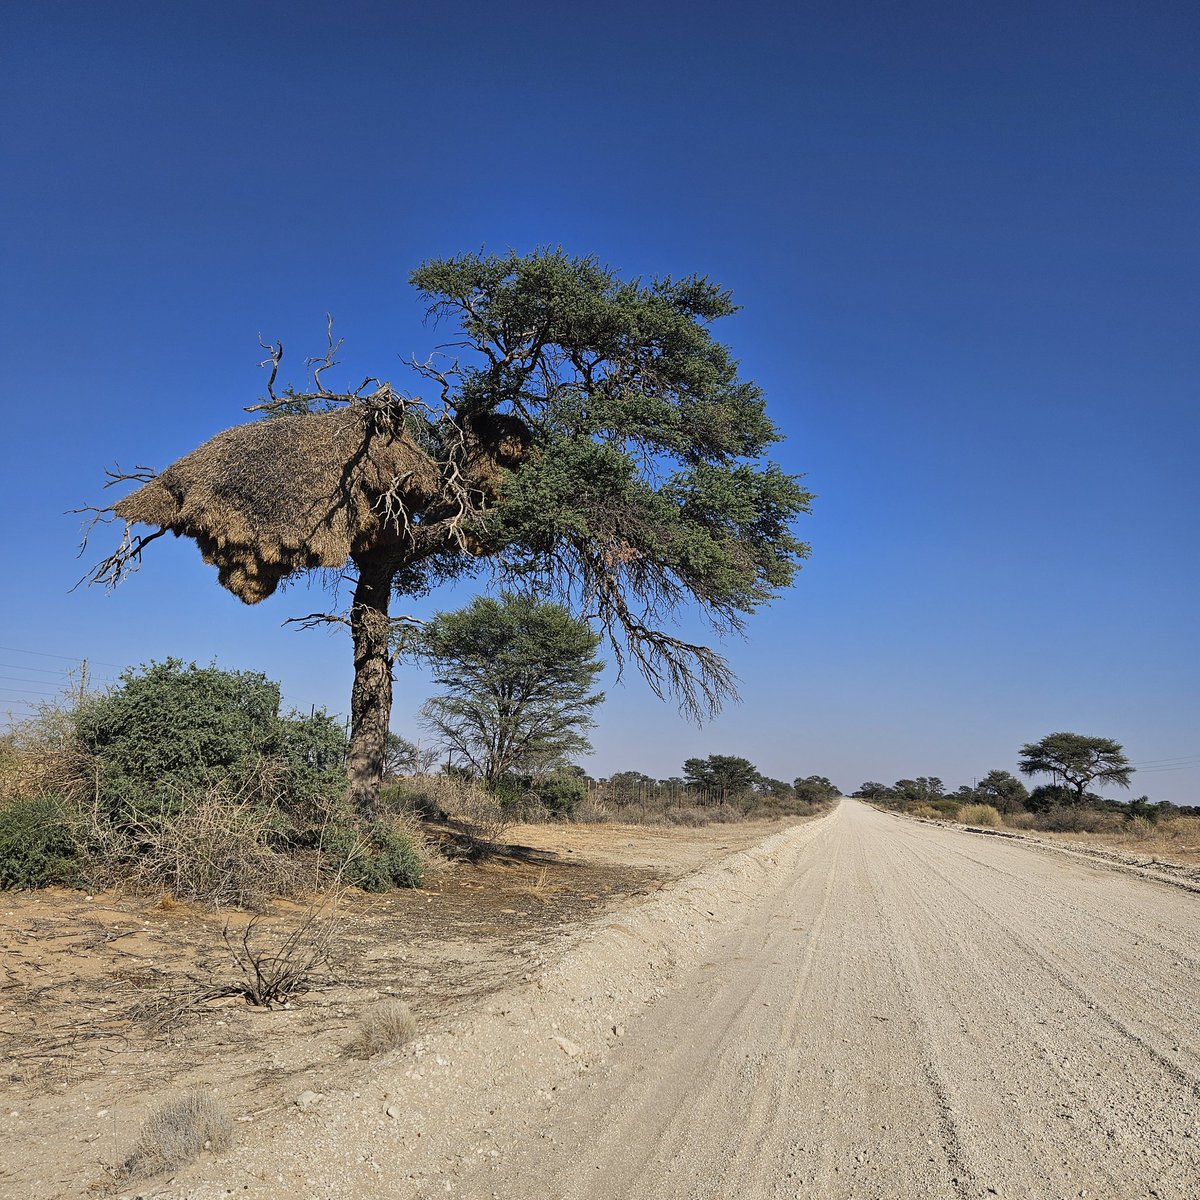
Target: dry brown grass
{"points": [[386, 1027], [979, 814], [177, 1133], [1176, 840]]}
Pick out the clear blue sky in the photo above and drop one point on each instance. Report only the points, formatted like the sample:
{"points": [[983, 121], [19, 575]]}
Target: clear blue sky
{"points": [[964, 235]]}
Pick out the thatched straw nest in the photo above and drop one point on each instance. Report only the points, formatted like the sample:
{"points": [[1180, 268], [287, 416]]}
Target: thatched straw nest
{"points": [[276, 497]]}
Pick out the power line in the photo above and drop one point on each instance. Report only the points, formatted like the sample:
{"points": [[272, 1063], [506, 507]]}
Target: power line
{"points": [[17, 679], [64, 657], [40, 670]]}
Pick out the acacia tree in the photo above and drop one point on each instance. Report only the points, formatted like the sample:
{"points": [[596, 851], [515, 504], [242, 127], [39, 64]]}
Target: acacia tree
{"points": [[723, 774], [816, 789], [589, 438], [1004, 791], [518, 676], [1076, 760]]}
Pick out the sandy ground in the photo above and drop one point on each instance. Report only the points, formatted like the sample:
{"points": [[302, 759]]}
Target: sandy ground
{"points": [[861, 1007], [97, 1024]]}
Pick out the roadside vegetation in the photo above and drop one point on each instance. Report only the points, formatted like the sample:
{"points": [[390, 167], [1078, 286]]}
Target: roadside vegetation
{"points": [[1065, 804], [195, 783]]}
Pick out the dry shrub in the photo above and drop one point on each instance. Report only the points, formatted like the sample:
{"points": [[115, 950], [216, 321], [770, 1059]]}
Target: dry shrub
{"points": [[385, 1027], [39, 757], [688, 815], [1019, 820], [216, 849], [590, 812], [1077, 820], [281, 963], [482, 814], [979, 814], [177, 1133], [1139, 828]]}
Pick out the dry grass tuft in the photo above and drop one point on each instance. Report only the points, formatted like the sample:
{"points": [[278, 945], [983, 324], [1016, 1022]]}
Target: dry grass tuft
{"points": [[387, 1026], [177, 1133], [979, 814]]}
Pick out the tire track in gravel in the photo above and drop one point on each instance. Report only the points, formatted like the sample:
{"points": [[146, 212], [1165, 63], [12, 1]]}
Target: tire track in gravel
{"points": [[926, 1022]]}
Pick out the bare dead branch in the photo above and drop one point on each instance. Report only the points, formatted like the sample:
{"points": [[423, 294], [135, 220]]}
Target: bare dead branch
{"points": [[314, 620], [327, 360], [274, 357]]}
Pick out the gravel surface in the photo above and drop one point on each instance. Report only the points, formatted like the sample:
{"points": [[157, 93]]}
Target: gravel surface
{"points": [[862, 1007]]}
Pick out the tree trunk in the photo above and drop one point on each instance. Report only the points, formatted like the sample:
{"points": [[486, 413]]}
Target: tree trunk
{"points": [[371, 696]]}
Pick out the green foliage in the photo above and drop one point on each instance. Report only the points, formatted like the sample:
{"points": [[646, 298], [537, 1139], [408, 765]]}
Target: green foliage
{"points": [[377, 859], [643, 487], [815, 789], [1050, 796], [878, 793], [560, 793], [774, 789], [925, 789], [37, 846], [721, 774], [311, 751], [1141, 807], [171, 730], [518, 676], [1077, 761], [1003, 791]]}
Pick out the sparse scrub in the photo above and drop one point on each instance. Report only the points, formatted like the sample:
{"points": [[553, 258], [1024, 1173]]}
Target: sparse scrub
{"points": [[216, 848], [385, 1027], [482, 813], [177, 1133], [1061, 819], [979, 814]]}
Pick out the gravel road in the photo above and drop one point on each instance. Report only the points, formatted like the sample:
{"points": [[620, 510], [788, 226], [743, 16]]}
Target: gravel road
{"points": [[902, 1011]]}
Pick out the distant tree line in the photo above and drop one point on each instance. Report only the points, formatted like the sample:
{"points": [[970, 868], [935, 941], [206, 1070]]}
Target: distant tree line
{"points": [[1072, 762]]}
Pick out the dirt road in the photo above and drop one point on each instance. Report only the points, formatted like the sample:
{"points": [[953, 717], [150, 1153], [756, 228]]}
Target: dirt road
{"points": [[906, 1011], [860, 1008]]}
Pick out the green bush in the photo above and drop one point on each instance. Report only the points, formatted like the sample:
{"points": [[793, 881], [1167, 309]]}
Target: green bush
{"points": [[37, 846], [560, 794], [377, 859], [171, 730]]}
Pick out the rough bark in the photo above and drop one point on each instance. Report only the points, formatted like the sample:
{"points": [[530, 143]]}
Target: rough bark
{"points": [[371, 696]]}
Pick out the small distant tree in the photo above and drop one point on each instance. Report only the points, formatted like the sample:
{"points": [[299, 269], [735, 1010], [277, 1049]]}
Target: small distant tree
{"points": [[1004, 792], [518, 677], [721, 774], [815, 789], [403, 757], [1075, 761], [778, 789], [876, 793], [925, 789]]}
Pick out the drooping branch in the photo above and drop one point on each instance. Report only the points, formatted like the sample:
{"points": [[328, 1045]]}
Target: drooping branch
{"points": [[124, 561]]}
